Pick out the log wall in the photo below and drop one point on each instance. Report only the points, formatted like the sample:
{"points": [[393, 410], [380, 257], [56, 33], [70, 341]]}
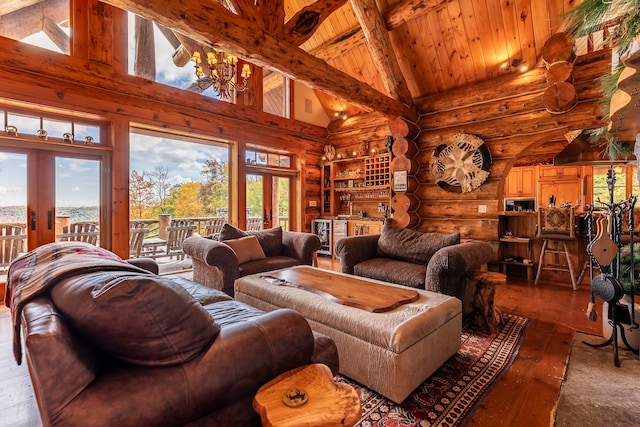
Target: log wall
{"points": [[508, 114]]}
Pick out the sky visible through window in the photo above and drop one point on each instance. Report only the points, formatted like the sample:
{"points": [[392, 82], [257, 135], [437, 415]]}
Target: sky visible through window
{"points": [[76, 178]]}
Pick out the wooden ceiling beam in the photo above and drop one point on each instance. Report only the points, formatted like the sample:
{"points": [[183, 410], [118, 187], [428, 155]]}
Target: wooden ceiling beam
{"points": [[247, 10], [145, 54], [306, 21], [210, 23], [30, 20], [404, 11], [57, 35], [381, 50], [273, 15]]}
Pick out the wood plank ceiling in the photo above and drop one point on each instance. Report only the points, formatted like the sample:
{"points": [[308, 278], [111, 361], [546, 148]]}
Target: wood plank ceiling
{"points": [[440, 44], [435, 45]]}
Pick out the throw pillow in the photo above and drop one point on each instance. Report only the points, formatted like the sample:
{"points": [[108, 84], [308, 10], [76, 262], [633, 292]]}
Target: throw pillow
{"points": [[246, 249], [411, 245], [140, 319], [270, 240]]}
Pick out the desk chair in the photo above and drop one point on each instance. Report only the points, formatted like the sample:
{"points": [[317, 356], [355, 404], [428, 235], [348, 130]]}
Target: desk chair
{"points": [[556, 228]]}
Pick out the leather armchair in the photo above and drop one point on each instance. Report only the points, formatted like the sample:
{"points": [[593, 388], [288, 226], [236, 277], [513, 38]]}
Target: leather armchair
{"points": [[446, 272], [215, 264]]}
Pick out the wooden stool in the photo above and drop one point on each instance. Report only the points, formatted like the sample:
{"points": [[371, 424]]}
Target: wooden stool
{"points": [[327, 404], [485, 315]]}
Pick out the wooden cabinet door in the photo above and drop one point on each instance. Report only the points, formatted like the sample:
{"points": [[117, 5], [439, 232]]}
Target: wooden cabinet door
{"points": [[528, 182], [521, 182], [511, 187]]}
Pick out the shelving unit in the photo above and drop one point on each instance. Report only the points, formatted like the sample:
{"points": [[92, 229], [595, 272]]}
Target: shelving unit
{"points": [[516, 231], [361, 182]]}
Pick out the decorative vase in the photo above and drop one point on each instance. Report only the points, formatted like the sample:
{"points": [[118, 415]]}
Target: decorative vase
{"points": [[631, 332]]}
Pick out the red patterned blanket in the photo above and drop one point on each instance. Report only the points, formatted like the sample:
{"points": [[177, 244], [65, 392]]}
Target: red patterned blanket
{"points": [[32, 274]]}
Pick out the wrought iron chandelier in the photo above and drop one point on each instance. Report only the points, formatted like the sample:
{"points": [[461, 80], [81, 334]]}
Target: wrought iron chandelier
{"points": [[222, 74]]}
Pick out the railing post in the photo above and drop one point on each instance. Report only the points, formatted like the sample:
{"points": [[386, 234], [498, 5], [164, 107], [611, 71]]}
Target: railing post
{"points": [[61, 222], [164, 220]]}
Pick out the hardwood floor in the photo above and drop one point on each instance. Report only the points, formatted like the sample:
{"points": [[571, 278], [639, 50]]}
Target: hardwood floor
{"points": [[526, 395]]}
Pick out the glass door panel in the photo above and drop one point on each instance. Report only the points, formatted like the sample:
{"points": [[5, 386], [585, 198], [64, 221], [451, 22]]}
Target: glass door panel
{"points": [[268, 201], [255, 202], [281, 190], [77, 199], [13, 208]]}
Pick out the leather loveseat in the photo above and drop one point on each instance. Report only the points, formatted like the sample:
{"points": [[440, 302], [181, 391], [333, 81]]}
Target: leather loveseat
{"points": [[218, 260], [114, 345], [435, 262]]}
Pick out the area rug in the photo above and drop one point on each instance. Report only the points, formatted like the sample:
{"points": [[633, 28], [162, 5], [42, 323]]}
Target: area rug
{"points": [[450, 396], [595, 392]]}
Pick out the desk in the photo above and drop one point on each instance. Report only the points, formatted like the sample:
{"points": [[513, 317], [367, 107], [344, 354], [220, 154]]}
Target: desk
{"points": [[151, 247]]}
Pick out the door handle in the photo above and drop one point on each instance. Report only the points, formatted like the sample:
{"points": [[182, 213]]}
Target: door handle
{"points": [[265, 218], [33, 220], [49, 220]]}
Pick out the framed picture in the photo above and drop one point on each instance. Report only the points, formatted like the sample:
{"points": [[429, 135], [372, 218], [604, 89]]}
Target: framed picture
{"points": [[400, 181]]}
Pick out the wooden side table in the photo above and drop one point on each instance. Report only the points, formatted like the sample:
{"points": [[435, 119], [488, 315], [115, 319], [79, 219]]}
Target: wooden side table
{"points": [[328, 403], [485, 314]]}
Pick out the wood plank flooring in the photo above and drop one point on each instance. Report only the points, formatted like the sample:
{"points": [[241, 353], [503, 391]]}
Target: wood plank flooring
{"points": [[526, 395]]}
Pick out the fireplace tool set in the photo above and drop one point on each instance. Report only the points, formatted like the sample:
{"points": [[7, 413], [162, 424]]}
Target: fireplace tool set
{"points": [[604, 251]]}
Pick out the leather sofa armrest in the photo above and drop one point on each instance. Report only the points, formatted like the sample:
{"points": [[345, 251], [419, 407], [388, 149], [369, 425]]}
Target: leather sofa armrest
{"points": [[60, 365], [148, 264], [449, 266], [300, 246], [355, 249], [214, 254], [248, 354]]}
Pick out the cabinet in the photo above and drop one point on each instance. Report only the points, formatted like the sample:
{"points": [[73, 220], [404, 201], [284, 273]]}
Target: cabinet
{"points": [[360, 184], [521, 182], [516, 231], [564, 183], [362, 227], [328, 195], [560, 172]]}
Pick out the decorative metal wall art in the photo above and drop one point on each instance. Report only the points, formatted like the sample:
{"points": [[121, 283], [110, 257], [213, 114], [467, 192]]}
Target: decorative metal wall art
{"points": [[461, 166]]}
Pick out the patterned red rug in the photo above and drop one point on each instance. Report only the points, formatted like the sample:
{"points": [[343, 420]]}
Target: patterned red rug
{"points": [[451, 395]]}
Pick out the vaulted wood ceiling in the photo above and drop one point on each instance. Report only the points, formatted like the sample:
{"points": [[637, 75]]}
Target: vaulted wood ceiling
{"points": [[360, 56]]}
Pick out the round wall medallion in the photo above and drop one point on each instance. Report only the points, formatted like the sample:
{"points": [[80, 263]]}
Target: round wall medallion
{"points": [[461, 166]]}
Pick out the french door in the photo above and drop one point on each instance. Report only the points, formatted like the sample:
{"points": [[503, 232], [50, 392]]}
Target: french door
{"points": [[269, 199], [45, 192]]}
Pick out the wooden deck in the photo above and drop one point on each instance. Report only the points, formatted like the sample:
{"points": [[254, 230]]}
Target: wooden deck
{"points": [[526, 396]]}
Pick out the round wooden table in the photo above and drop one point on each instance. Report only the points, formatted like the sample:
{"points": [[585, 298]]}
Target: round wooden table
{"points": [[328, 403]]}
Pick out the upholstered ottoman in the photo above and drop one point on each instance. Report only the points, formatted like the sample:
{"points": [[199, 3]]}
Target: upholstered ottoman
{"points": [[391, 352]]}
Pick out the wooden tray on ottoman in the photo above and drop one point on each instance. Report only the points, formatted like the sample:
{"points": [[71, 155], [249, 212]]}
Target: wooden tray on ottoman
{"points": [[352, 291]]}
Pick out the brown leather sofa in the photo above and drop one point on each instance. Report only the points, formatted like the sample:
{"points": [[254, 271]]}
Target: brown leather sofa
{"points": [[81, 379], [435, 262], [216, 264]]}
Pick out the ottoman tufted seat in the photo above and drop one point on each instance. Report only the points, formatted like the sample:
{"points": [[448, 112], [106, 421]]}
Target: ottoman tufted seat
{"points": [[391, 352]]}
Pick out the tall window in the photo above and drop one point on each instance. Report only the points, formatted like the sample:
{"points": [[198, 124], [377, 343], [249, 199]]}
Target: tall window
{"points": [[276, 94], [601, 187], [40, 23], [185, 177]]}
